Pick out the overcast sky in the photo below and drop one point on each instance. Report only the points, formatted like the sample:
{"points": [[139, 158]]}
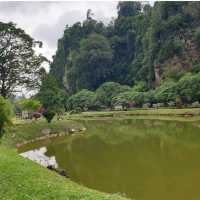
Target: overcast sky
{"points": [[45, 21]]}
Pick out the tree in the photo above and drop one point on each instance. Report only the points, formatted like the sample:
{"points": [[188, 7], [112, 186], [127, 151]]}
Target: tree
{"points": [[128, 8], [83, 100], [107, 91], [92, 66], [189, 88], [5, 113], [166, 92], [30, 105], [143, 43], [19, 65], [51, 97], [61, 66]]}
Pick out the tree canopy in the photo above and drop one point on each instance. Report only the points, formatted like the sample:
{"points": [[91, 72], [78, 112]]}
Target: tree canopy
{"points": [[19, 65], [143, 43]]}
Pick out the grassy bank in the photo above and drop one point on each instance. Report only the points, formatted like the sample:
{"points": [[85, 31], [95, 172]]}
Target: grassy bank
{"points": [[21, 179], [27, 130], [151, 113]]}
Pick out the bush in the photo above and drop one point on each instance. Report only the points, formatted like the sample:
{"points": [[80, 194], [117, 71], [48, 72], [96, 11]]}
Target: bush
{"points": [[5, 114], [166, 92], [82, 100], [30, 105], [49, 115], [109, 90], [189, 88], [140, 87]]}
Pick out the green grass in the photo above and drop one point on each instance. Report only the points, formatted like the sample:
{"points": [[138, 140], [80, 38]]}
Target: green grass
{"points": [[163, 112], [21, 179], [26, 130]]}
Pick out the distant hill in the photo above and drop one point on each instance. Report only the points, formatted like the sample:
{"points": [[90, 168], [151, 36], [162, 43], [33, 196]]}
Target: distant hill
{"points": [[143, 43]]}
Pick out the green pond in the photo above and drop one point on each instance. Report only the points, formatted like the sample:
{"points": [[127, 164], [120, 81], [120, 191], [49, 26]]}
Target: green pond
{"points": [[138, 158]]}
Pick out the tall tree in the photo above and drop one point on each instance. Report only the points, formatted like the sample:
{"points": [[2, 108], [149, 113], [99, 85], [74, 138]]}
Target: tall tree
{"points": [[19, 65], [128, 8], [92, 66], [50, 95]]}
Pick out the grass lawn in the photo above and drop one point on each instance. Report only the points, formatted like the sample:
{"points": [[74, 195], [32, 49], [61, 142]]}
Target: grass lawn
{"points": [[23, 130], [162, 113], [21, 179]]}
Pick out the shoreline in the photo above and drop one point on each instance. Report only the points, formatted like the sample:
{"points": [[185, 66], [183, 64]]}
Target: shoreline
{"points": [[18, 145]]}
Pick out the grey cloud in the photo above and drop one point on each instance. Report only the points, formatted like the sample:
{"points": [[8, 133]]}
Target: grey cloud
{"points": [[52, 32], [46, 21], [23, 7]]}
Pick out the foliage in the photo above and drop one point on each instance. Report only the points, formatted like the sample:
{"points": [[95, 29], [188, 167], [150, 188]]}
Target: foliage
{"points": [[148, 47], [51, 96], [82, 100], [189, 88], [166, 92], [128, 8], [134, 47], [107, 91], [19, 64], [49, 115], [92, 64], [29, 104], [197, 36], [5, 114], [140, 87]]}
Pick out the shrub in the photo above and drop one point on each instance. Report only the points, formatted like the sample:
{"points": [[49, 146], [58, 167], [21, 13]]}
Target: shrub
{"points": [[82, 100], [140, 87], [29, 104], [49, 115], [189, 88], [166, 92], [107, 91]]}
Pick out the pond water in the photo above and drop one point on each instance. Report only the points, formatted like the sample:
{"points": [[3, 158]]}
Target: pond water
{"points": [[142, 159]]}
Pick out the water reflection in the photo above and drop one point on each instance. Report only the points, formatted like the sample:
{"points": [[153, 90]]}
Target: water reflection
{"points": [[38, 156], [145, 159]]}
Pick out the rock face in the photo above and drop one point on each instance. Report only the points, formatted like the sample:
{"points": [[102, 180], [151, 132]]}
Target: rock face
{"points": [[157, 70]]}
